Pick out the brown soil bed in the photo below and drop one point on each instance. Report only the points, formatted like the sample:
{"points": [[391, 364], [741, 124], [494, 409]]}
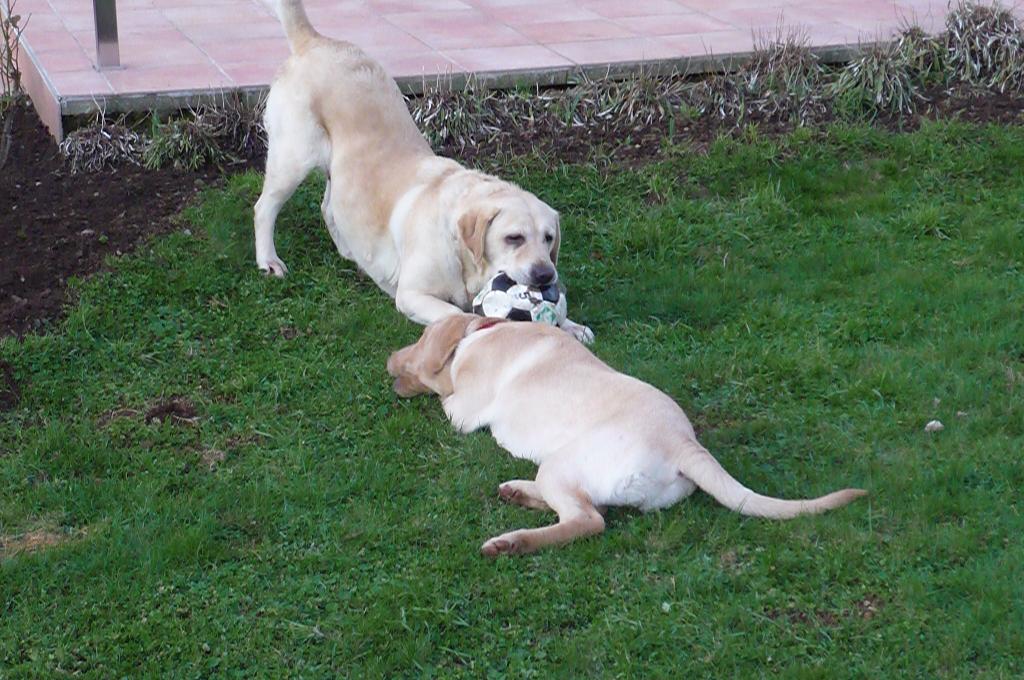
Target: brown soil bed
{"points": [[54, 225]]}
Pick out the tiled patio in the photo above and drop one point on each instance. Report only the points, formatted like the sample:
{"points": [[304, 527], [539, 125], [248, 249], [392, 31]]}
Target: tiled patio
{"points": [[173, 51]]}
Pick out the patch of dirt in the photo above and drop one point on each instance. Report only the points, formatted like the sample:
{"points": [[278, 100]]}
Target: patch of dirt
{"points": [[868, 607], [865, 608], [211, 458], [30, 542], [54, 225], [975, 106], [116, 414], [10, 391], [818, 617], [177, 410]]}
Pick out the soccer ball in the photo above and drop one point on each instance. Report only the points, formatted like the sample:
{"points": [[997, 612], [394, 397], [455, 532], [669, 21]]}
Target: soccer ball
{"points": [[504, 298]]}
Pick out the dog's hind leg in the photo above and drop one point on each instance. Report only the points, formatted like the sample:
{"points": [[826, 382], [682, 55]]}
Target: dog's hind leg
{"points": [[522, 492], [295, 145], [285, 172], [577, 517]]}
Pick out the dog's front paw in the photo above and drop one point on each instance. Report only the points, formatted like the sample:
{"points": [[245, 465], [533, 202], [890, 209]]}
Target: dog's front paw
{"points": [[578, 331], [506, 544], [272, 266]]}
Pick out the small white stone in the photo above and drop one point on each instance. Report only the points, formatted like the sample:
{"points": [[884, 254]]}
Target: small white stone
{"points": [[961, 414], [934, 426], [666, 607], [186, 232]]}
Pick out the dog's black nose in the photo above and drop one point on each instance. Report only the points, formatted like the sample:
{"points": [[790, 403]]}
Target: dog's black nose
{"points": [[542, 274]]}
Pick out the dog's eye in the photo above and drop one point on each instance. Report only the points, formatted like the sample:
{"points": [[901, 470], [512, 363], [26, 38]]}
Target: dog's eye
{"points": [[515, 239], [548, 238]]}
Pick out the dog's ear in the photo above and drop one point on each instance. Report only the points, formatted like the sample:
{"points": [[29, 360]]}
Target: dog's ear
{"points": [[473, 226], [557, 242], [440, 342]]}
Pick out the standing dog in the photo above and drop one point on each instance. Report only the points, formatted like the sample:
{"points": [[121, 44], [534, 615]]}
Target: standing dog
{"points": [[429, 232], [601, 438]]}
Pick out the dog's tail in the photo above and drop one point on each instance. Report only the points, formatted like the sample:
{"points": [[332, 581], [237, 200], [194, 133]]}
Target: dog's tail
{"points": [[296, 24], [701, 467]]}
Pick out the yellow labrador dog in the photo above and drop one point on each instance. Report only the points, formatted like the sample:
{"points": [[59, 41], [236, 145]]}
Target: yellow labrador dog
{"points": [[429, 232], [600, 438]]}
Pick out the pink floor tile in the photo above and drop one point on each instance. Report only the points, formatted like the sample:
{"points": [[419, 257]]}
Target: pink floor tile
{"points": [[333, 13], [767, 17], [517, 15], [371, 31], [46, 37], [674, 24], [204, 33], [491, 59], [515, 3], [834, 33], [398, 6], [161, 48], [568, 31], [128, 20], [711, 44], [715, 5], [215, 14], [615, 9], [200, 4], [77, 83], [40, 22], [74, 58], [168, 78], [867, 14], [459, 29], [251, 74], [599, 52], [273, 50], [427, 64], [33, 7]]}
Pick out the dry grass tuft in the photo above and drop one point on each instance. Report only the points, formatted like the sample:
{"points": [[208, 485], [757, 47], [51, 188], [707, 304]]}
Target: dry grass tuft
{"points": [[781, 82], [104, 144], [879, 81], [985, 46]]}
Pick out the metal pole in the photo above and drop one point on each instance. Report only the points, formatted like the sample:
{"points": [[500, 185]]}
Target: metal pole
{"points": [[108, 53]]}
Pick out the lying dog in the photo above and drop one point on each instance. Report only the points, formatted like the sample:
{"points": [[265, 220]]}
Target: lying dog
{"points": [[428, 231], [601, 438]]}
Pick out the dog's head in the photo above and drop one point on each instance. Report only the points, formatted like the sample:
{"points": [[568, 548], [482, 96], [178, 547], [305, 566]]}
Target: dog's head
{"points": [[513, 231], [427, 365]]}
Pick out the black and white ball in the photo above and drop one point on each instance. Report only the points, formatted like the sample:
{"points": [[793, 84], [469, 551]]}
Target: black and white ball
{"points": [[504, 298]]}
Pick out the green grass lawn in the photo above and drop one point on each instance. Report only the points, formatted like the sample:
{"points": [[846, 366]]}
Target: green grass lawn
{"points": [[811, 302]]}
